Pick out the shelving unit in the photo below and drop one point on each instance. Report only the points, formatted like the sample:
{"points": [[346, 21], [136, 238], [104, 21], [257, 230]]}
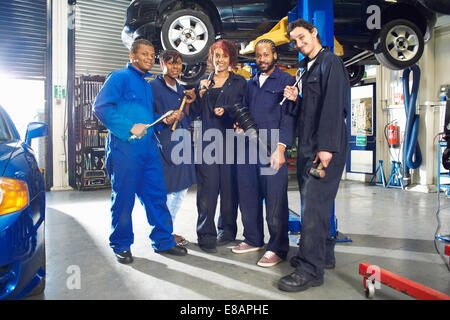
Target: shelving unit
{"points": [[90, 136]]}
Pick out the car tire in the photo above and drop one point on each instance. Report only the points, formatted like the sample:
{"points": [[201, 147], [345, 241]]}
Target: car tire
{"points": [[400, 44], [193, 72], [355, 73], [190, 32]]}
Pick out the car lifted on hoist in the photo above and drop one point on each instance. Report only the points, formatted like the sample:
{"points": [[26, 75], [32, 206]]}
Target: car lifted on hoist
{"points": [[191, 26]]}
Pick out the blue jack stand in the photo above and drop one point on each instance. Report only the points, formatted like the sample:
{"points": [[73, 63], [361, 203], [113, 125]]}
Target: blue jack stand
{"points": [[295, 227], [395, 179], [381, 178]]}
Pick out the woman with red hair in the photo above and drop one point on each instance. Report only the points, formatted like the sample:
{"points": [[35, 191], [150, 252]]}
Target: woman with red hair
{"points": [[218, 92]]}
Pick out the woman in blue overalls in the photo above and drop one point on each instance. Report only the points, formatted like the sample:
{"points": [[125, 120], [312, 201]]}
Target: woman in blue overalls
{"points": [[219, 91], [168, 95]]}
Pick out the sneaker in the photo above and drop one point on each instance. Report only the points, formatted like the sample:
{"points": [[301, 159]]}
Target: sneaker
{"points": [[269, 259], [244, 248], [181, 241]]}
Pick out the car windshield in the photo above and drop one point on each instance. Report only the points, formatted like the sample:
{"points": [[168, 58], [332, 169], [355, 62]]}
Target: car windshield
{"points": [[5, 131]]}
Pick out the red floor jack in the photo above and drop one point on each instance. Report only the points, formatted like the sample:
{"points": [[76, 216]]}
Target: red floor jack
{"points": [[373, 276], [447, 253]]}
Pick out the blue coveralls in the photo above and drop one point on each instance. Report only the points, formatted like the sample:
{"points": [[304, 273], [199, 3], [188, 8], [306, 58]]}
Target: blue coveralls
{"points": [[217, 178], [134, 167], [176, 176], [321, 127], [253, 184]]}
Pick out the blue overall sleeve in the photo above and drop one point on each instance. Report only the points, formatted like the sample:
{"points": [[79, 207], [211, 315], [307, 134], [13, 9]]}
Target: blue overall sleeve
{"points": [[106, 107]]}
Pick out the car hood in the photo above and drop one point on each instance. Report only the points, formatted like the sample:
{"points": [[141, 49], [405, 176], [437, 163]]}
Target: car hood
{"points": [[6, 151]]}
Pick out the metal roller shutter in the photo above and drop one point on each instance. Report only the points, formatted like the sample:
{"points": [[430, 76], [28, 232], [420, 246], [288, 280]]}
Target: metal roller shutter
{"points": [[25, 55], [98, 43], [23, 38]]}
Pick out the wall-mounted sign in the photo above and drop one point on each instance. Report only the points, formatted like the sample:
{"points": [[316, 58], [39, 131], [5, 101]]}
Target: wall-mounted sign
{"points": [[59, 92], [361, 141]]}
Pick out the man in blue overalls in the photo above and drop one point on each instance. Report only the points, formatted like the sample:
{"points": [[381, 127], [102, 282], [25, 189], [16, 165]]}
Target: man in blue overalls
{"points": [[125, 105], [255, 181]]}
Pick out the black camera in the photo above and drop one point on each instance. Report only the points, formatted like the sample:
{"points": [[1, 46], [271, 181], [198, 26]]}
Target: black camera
{"points": [[241, 115]]}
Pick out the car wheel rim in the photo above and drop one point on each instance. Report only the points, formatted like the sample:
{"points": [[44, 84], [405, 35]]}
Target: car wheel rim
{"points": [[192, 71], [402, 43], [188, 35]]}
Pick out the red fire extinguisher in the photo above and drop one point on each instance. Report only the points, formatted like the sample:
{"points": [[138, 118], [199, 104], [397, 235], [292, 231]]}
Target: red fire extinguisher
{"points": [[393, 136]]}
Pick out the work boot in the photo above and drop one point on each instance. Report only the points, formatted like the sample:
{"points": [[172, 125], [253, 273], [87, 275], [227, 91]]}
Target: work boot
{"points": [[221, 241], [124, 257], [297, 282], [175, 250]]}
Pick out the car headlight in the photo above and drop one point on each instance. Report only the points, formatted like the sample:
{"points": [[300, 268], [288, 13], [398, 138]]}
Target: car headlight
{"points": [[13, 195]]}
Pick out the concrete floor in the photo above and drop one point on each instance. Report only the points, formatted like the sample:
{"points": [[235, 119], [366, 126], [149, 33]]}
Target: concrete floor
{"points": [[390, 228]]}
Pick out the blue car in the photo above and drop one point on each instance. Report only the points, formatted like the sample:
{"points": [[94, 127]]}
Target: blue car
{"points": [[22, 212]]}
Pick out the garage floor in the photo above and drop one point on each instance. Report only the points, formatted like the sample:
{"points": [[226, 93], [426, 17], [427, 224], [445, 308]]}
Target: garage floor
{"points": [[390, 228]]}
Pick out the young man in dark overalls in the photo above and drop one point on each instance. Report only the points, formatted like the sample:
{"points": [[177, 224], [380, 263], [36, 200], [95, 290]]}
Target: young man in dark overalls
{"points": [[322, 137]]}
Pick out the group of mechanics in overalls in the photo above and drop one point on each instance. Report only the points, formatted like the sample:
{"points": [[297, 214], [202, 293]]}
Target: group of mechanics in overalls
{"points": [[140, 159]]}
